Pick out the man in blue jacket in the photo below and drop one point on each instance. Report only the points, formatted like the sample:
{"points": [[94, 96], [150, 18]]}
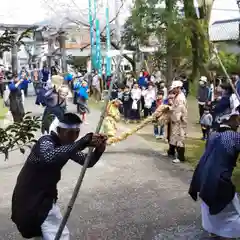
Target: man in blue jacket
{"points": [[25, 81]]}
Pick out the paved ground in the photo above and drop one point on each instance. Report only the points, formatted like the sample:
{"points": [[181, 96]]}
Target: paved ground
{"points": [[132, 193]]}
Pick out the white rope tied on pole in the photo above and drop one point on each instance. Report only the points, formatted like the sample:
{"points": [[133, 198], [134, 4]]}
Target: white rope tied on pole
{"points": [[225, 72], [86, 163]]}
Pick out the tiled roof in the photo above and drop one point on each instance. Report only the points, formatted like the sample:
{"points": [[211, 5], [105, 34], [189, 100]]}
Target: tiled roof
{"points": [[225, 30]]}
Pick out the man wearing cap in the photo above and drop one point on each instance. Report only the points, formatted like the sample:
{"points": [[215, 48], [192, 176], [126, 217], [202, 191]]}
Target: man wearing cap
{"points": [[178, 124], [34, 208], [203, 96]]}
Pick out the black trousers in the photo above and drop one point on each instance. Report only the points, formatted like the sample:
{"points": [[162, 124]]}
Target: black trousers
{"points": [[205, 131], [135, 113], [179, 150], [126, 110], [142, 103], [201, 110], [147, 112], [25, 90], [2, 88]]}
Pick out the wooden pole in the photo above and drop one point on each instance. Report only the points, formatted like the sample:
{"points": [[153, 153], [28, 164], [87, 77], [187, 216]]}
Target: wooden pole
{"points": [[225, 72], [86, 163]]}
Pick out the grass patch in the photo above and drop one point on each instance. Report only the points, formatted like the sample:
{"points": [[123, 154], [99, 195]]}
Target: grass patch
{"points": [[194, 151], [236, 177], [3, 110]]}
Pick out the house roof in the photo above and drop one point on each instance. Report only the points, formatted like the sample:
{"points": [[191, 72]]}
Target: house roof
{"points": [[224, 30]]}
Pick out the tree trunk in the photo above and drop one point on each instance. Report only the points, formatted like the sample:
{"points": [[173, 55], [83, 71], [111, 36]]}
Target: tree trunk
{"points": [[14, 56], [49, 57], [169, 56], [62, 43], [191, 17], [199, 39], [195, 56]]}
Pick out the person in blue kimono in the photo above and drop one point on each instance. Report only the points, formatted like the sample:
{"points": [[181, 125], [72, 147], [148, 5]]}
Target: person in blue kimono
{"points": [[15, 99], [55, 107], [82, 98], [34, 201], [45, 74], [68, 80], [223, 105], [76, 88], [43, 91], [142, 81], [26, 80], [212, 182]]}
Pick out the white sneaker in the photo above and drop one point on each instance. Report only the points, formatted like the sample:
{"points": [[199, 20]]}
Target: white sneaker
{"points": [[157, 137], [176, 160]]}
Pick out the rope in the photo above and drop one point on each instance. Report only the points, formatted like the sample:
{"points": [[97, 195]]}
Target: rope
{"points": [[159, 115]]}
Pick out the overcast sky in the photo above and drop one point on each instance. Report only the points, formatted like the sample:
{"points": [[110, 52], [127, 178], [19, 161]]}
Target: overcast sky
{"points": [[32, 11]]}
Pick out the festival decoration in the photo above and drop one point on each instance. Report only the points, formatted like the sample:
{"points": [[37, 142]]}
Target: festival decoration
{"points": [[108, 43], [91, 34], [98, 49]]}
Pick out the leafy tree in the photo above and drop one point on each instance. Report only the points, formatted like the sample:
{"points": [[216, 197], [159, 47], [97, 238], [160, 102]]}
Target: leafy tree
{"points": [[149, 19], [19, 135], [9, 38], [230, 62], [199, 36]]}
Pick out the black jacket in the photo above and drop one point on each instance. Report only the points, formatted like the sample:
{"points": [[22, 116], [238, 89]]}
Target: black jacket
{"points": [[36, 187], [203, 94], [126, 98]]}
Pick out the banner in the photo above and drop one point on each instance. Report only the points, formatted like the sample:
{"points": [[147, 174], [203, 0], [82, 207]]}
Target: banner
{"points": [[98, 49], [108, 44], [91, 23]]}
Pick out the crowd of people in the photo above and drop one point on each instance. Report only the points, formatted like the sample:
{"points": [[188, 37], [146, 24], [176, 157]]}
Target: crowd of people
{"points": [[133, 99]]}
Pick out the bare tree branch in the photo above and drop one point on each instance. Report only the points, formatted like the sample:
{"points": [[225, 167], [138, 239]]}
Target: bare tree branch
{"points": [[84, 47], [117, 14], [102, 35]]}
